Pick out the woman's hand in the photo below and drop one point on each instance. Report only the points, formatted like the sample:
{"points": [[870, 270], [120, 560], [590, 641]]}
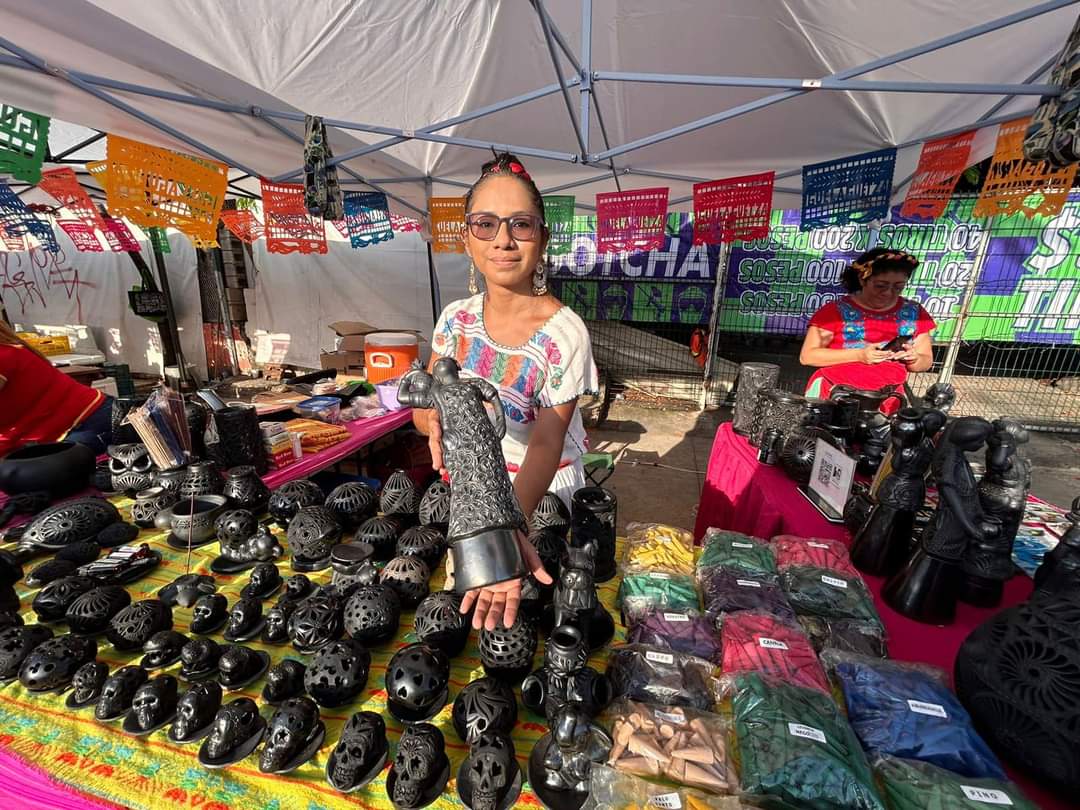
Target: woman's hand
{"points": [[435, 443], [907, 354], [502, 600], [872, 355]]}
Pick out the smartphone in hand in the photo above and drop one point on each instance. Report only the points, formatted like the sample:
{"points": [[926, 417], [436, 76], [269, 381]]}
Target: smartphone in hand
{"points": [[896, 344]]}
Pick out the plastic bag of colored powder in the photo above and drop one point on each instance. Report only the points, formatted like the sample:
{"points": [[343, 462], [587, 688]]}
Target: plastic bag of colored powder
{"points": [[911, 785], [682, 631], [658, 547], [655, 675], [735, 550], [846, 635], [757, 642], [829, 594], [641, 593], [815, 552], [729, 590]]}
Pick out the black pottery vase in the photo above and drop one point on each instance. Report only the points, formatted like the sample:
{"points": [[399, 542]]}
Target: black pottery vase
{"points": [[752, 378], [239, 438], [121, 407], [593, 516], [245, 489]]}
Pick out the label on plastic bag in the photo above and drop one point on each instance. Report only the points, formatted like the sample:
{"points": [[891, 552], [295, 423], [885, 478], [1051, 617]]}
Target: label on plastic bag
{"points": [[806, 732], [986, 795], [659, 657], [737, 544], [748, 583], [668, 801], [676, 617], [659, 575], [836, 583], [771, 644], [932, 709], [669, 717], [812, 544]]}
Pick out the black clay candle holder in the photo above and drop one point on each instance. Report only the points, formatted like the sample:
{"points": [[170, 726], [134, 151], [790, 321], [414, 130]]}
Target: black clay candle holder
{"points": [[593, 515]]}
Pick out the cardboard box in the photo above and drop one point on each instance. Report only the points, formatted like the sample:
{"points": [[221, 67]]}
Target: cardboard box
{"points": [[342, 360], [351, 335]]}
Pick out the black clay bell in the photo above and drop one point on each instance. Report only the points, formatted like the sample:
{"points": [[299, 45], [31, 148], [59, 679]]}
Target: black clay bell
{"points": [[50, 571], [200, 658], [489, 778], [372, 614], [551, 513], [118, 691], [289, 498], [245, 620], [484, 705], [352, 503], [435, 506], [381, 533], [53, 600], [293, 736], [276, 628], [86, 685], [162, 649], [132, 627], [425, 542], [440, 622], [315, 623], [195, 712], [79, 553], [420, 770], [210, 614], [153, 706], [236, 731], [297, 587], [16, 643], [338, 672], [284, 680], [186, 589], [360, 753], [51, 665], [313, 532], [507, 653], [408, 576], [417, 682], [91, 612], [241, 665], [262, 582]]}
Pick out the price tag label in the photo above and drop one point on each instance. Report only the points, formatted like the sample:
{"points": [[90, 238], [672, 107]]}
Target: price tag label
{"points": [[747, 583], [812, 544], [676, 617], [669, 717], [659, 657], [772, 644], [737, 544], [932, 709], [986, 795], [806, 732], [659, 575], [668, 801], [836, 583]]}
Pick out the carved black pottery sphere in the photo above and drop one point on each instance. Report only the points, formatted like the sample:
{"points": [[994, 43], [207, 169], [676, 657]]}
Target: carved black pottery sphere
{"points": [[245, 620], [1018, 674], [338, 672], [425, 542], [484, 705], [16, 643], [315, 623], [420, 769], [86, 684], [313, 531], [372, 614], [52, 664], [293, 735], [551, 513], [132, 627], [381, 534], [399, 495], [235, 526], [360, 753], [352, 503], [408, 576], [53, 600], [435, 506], [50, 571], [284, 680], [195, 712], [153, 706], [245, 489], [69, 522], [550, 546], [92, 611], [241, 665], [200, 478], [263, 580], [118, 691], [276, 629], [210, 613], [507, 653], [489, 777], [290, 497], [237, 730], [440, 622], [200, 658], [163, 649], [798, 451], [417, 682]]}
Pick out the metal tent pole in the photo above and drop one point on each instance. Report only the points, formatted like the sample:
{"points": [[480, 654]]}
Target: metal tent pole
{"points": [[582, 143]]}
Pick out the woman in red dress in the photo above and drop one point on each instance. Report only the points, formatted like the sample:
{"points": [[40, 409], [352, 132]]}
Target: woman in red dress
{"points": [[848, 341]]}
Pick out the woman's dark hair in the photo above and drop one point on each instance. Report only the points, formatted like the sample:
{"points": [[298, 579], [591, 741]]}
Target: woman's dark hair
{"points": [[874, 261], [506, 165]]}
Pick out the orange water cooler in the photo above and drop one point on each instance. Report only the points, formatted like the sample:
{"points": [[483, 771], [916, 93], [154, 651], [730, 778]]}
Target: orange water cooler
{"points": [[389, 354]]}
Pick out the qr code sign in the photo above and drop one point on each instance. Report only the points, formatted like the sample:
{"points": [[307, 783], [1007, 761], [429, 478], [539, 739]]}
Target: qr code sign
{"points": [[826, 472]]}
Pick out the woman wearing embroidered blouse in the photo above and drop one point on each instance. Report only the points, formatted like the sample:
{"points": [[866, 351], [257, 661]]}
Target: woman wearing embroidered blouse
{"points": [[530, 346], [849, 339]]}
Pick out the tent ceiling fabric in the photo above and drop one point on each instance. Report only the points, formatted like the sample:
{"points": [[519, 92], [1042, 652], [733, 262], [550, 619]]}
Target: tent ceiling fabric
{"points": [[410, 64]]}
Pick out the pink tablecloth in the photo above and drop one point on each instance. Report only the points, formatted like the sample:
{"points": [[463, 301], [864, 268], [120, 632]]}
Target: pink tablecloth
{"points": [[362, 432]]}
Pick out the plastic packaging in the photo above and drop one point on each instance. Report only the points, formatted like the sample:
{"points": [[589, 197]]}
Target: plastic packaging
{"points": [[911, 785], [657, 547], [735, 550], [655, 675], [674, 743], [322, 409], [816, 552], [794, 749], [846, 635], [610, 789], [829, 594], [683, 631], [656, 590], [758, 642], [907, 710], [729, 590]]}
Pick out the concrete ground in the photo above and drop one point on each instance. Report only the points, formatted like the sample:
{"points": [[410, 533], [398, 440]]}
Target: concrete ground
{"points": [[662, 456]]}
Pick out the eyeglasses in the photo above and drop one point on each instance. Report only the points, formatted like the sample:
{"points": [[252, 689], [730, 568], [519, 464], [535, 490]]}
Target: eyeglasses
{"points": [[522, 227]]}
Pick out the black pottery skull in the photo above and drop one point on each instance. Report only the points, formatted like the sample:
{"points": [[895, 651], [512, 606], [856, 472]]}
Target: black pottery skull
{"points": [[118, 692], [210, 613], [153, 706], [130, 467], [420, 770], [87, 684], [297, 587], [359, 754], [241, 665], [237, 730], [195, 712], [200, 658], [276, 629], [263, 581], [163, 649], [489, 774], [284, 680], [293, 735], [245, 620]]}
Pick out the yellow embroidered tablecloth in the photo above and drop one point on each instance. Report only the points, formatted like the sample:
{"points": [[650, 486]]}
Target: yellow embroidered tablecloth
{"points": [[100, 760]]}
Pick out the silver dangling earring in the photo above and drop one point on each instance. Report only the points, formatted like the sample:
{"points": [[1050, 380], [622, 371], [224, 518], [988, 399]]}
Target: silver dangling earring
{"points": [[473, 289], [540, 279]]}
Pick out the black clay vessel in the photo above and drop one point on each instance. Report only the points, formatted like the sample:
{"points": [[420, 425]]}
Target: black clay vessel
{"points": [[489, 778], [196, 415], [420, 769], [69, 522], [417, 682], [118, 692], [381, 534], [276, 629], [16, 643], [354, 566], [171, 480], [352, 503], [435, 506], [594, 511], [424, 542], [236, 732], [130, 467], [92, 611], [210, 613], [245, 489], [153, 706], [297, 587], [241, 665], [50, 571], [191, 520], [550, 546], [440, 622], [162, 649], [798, 451], [399, 495], [313, 531], [564, 679], [293, 735], [507, 653], [195, 712], [200, 658], [284, 680], [186, 589], [551, 513], [372, 614], [560, 765], [260, 547], [86, 684], [51, 665], [289, 498], [338, 672], [132, 627], [234, 526], [148, 503], [408, 576], [263, 581], [245, 620], [53, 600], [200, 478], [483, 706], [239, 438], [360, 753], [575, 602], [315, 623], [60, 469]]}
